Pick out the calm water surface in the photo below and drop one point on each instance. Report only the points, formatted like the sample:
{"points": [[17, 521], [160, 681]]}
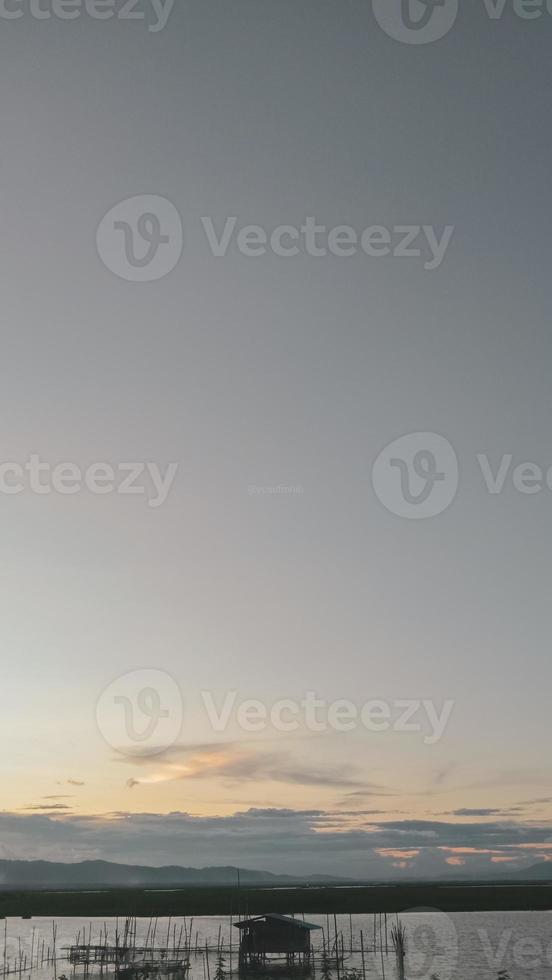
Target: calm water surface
{"points": [[456, 946]]}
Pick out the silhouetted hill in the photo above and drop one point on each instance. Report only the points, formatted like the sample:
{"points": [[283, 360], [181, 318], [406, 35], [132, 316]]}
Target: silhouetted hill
{"points": [[104, 874], [542, 871]]}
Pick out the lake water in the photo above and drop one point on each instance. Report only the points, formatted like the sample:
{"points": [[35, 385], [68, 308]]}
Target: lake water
{"points": [[455, 946]]}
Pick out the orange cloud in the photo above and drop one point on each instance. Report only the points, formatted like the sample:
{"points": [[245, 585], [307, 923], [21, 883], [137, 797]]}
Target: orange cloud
{"points": [[400, 855]]}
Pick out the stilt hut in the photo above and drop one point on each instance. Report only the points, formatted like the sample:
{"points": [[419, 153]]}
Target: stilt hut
{"points": [[268, 939]]}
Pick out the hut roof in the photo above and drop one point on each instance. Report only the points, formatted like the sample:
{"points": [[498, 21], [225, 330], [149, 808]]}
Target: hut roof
{"points": [[285, 919]]}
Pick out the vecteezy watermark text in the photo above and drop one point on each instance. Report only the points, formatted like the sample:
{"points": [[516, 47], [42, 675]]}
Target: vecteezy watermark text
{"points": [[40, 477], [524, 952], [317, 240], [142, 713], [141, 239], [319, 715], [153, 12]]}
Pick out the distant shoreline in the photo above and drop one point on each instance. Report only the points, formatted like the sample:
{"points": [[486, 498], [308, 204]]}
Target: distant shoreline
{"points": [[223, 900]]}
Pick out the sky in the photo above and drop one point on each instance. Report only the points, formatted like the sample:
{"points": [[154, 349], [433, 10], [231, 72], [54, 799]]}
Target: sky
{"points": [[245, 461]]}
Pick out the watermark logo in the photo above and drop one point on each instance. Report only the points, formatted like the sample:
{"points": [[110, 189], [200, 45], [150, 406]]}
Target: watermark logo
{"points": [[432, 947], [416, 21], [416, 476], [140, 713], [141, 239]]}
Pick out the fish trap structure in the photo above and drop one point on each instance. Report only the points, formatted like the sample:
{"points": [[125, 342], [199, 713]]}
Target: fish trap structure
{"points": [[127, 957], [275, 940], [129, 961]]}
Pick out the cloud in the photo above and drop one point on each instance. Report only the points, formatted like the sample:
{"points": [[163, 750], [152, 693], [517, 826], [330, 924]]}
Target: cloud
{"points": [[513, 777], [441, 775], [76, 782], [400, 855], [538, 802], [237, 764], [370, 789], [47, 807], [270, 838], [485, 812]]}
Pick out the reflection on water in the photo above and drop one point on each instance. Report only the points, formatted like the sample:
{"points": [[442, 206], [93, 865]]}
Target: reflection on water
{"points": [[456, 946]]}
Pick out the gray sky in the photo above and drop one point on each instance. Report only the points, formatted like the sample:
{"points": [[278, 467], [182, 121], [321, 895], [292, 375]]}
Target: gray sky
{"points": [[269, 373]]}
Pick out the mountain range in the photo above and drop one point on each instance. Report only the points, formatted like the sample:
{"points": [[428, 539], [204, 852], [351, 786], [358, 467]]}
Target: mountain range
{"points": [[104, 874], [29, 875], [541, 871]]}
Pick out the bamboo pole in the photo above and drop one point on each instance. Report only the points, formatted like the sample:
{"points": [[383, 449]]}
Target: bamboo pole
{"points": [[231, 927], [336, 947], [398, 936], [54, 937]]}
